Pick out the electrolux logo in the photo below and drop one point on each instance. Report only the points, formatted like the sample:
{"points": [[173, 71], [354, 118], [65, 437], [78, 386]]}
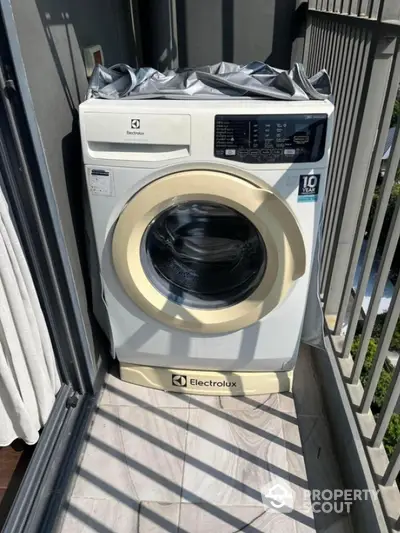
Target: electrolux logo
{"points": [[211, 383], [179, 380], [135, 127]]}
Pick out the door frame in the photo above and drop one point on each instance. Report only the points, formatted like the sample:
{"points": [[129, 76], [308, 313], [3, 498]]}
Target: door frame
{"points": [[25, 179]]}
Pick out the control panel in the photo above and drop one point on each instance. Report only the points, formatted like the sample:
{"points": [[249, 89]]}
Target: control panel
{"points": [[258, 139]]}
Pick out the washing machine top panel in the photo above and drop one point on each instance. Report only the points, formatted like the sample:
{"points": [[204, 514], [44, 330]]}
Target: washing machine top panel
{"points": [[244, 132]]}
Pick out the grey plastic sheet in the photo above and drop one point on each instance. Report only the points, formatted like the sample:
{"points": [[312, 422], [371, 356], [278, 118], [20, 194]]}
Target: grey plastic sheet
{"points": [[219, 81]]}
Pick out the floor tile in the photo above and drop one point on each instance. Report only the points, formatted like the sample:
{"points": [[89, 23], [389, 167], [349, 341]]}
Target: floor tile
{"points": [[103, 470], [203, 518], [88, 515], [271, 403], [155, 517], [319, 455], [306, 385], [321, 464], [154, 444], [118, 392], [298, 479], [339, 524], [229, 455], [199, 401]]}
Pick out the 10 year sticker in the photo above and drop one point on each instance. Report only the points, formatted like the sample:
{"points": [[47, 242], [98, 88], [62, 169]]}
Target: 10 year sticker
{"points": [[309, 187]]}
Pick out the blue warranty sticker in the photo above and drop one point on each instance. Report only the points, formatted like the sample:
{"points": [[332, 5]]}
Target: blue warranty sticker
{"points": [[308, 187]]}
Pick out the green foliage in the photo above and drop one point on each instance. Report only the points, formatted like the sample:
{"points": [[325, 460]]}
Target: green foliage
{"points": [[395, 343], [392, 435], [385, 376], [389, 212], [396, 113]]}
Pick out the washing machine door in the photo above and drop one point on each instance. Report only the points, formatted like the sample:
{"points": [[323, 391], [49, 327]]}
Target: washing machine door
{"points": [[206, 251]]}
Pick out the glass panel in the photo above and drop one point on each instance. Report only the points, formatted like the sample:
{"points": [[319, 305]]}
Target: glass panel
{"points": [[203, 255]]}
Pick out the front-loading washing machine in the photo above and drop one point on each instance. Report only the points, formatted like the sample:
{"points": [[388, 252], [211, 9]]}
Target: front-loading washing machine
{"points": [[205, 217]]}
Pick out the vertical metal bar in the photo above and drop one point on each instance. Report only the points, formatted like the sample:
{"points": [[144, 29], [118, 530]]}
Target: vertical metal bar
{"points": [[337, 59], [364, 8], [339, 172], [313, 47], [379, 287], [346, 7], [312, 4], [391, 398], [375, 6], [323, 42], [326, 61], [393, 470], [373, 239], [354, 7], [307, 41], [327, 50], [317, 57], [380, 358], [331, 5], [320, 44], [347, 238]]}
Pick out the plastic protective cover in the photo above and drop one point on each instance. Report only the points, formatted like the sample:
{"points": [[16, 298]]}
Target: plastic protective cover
{"points": [[222, 80]]}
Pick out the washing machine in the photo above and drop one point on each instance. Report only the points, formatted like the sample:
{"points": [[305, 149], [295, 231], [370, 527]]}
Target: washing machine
{"points": [[205, 216]]}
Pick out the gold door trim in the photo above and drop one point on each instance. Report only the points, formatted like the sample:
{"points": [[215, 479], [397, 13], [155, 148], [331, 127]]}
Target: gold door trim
{"points": [[272, 217]]}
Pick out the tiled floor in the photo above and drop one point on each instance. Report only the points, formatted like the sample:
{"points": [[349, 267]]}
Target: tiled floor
{"points": [[156, 461]]}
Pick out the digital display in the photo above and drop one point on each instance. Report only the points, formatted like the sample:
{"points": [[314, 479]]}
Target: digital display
{"points": [[258, 139]]}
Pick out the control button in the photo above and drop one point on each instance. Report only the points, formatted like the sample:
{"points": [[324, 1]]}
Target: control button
{"points": [[255, 153], [230, 151], [277, 152], [289, 151], [301, 139]]}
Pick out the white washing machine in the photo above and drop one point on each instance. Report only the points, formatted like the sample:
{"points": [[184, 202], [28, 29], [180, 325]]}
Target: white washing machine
{"points": [[205, 217]]}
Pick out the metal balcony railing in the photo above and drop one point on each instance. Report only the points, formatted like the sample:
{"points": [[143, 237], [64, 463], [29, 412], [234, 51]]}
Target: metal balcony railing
{"points": [[358, 43]]}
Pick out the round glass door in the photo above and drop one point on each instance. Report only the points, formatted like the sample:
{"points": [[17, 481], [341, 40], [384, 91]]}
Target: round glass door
{"points": [[203, 255]]}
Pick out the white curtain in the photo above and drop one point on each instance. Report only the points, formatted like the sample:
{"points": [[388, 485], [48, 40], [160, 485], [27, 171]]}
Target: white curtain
{"points": [[29, 379]]}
